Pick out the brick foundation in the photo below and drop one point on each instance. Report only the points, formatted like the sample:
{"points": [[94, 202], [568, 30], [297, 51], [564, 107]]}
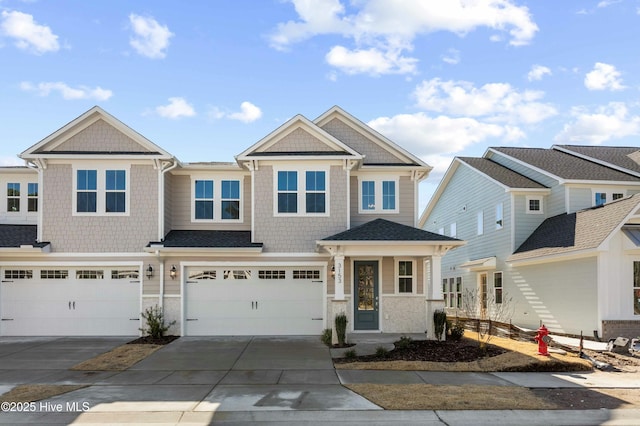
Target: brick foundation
{"points": [[613, 329]]}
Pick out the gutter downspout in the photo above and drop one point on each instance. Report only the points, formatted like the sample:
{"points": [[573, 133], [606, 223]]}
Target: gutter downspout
{"points": [[38, 165], [162, 170]]}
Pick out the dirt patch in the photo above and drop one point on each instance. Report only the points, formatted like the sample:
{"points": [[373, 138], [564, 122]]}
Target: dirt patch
{"points": [[148, 340], [118, 359], [31, 393]]}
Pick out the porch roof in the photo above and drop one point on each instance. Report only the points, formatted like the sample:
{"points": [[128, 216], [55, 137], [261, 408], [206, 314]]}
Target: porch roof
{"points": [[386, 230], [206, 239], [20, 237]]}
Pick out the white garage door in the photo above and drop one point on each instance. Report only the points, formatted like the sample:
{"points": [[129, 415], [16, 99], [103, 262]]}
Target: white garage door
{"points": [[253, 301], [102, 301]]}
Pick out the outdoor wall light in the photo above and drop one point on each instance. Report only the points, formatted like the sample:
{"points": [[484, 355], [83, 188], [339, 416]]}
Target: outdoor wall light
{"points": [[149, 272], [173, 272], [333, 270]]}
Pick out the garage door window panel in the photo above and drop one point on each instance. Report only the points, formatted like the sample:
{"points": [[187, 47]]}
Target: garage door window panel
{"points": [[89, 274], [202, 275], [237, 274], [271, 274], [18, 274], [306, 274], [122, 274], [54, 274]]}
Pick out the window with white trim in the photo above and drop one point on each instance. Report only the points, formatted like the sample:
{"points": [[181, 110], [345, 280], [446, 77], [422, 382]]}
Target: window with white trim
{"points": [[453, 230], [101, 191], [499, 216], [406, 276], [603, 197], [452, 292], [534, 205], [230, 201], [13, 197], [480, 222], [216, 200], [300, 192], [378, 195], [636, 288], [32, 197], [203, 199], [497, 287]]}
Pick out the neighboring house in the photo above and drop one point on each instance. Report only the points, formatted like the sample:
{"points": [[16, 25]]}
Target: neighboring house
{"points": [[555, 231], [103, 224]]}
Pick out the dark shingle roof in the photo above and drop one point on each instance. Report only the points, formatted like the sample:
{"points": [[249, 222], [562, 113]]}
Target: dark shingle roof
{"points": [[98, 152], [565, 166], [385, 230], [500, 173], [17, 235], [621, 156], [210, 239], [295, 153], [582, 230]]}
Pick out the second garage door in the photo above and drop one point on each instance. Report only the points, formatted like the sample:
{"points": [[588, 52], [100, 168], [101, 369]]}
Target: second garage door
{"points": [[253, 301]]}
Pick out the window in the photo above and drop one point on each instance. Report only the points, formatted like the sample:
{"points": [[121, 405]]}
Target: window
{"points": [[534, 205], [441, 231], [453, 230], [480, 222], [636, 288], [405, 276], [378, 196], [287, 192], [306, 274], [602, 197], [204, 200], [54, 274], [86, 191], [237, 275], [271, 275], [497, 287], [89, 274], [202, 275], [315, 187], [100, 191], [230, 203], [499, 218], [32, 197], [122, 274], [18, 274], [13, 197], [452, 292]]}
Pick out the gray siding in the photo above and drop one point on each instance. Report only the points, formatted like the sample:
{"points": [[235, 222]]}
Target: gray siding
{"points": [[525, 223], [100, 136], [297, 141], [181, 206], [92, 234], [579, 198], [297, 234], [406, 208], [345, 134]]}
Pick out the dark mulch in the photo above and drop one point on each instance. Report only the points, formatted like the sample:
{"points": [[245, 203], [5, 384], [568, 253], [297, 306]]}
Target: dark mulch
{"points": [[148, 340], [464, 350]]}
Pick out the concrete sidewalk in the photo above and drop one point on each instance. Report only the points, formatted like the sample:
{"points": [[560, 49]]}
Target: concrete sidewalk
{"points": [[263, 379]]}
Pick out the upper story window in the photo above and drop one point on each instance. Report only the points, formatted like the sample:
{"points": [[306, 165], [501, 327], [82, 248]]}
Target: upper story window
{"points": [[32, 197], [480, 222], [301, 192], [499, 216], [603, 197], [378, 195], [13, 197], [534, 205], [100, 191], [453, 230], [216, 200]]}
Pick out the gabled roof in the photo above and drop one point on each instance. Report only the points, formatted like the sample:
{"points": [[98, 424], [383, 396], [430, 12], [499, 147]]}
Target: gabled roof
{"points": [[563, 165], [371, 134], [207, 239], [14, 236], [501, 174], [385, 230], [577, 232], [625, 158], [46, 147], [259, 149]]}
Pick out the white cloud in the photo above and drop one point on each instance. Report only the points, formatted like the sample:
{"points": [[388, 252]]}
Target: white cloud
{"points": [[248, 113], [150, 39], [383, 30], [28, 34], [370, 61], [538, 72], [612, 121], [497, 102], [603, 77], [452, 57], [67, 92], [177, 108], [427, 136], [607, 3]]}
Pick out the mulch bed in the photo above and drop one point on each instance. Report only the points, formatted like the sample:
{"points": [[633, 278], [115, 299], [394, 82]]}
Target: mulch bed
{"points": [[464, 350], [148, 340]]}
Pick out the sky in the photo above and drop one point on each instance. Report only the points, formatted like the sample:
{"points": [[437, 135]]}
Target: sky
{"points": [[206, 79]]}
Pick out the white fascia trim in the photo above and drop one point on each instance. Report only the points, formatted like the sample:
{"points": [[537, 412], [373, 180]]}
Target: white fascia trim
{"points": [[524, 163], [555, 257], [102, 255], [187, 263], [439, 190], [600, 183], [72, 264], [388, 243], [202, 250], [524, 191]]}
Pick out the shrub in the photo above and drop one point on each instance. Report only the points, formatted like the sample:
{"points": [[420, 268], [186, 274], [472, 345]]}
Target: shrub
{"points": [[404, 342], [155, 326], [341, 328], [350, 354], [457, 331], [326, 336], [381, 351], [439, 322]]}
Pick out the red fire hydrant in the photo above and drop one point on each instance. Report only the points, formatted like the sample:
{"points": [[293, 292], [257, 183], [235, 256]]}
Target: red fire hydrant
{"points": [[543, 339]]}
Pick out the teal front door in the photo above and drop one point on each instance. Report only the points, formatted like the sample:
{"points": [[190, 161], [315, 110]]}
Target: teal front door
{"points": [[366, 295]]}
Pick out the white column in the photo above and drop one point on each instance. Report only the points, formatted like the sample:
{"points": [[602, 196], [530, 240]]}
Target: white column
{"points": [[436, 278], [338, 262]]}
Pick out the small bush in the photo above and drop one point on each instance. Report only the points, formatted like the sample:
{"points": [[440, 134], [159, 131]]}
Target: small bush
{"points": [[456, 331], [381, 351], [326, 336], [155, 326], [404, 342], [439, 322], [341, 328], [350, 354]]}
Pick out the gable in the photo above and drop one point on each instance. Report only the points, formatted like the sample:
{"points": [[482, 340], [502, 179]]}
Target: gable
{"points": [[98, 137], [372, 152], [300, 140]]}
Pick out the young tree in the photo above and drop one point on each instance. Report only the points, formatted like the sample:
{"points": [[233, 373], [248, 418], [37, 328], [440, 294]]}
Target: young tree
{"points": [[487, 309]]}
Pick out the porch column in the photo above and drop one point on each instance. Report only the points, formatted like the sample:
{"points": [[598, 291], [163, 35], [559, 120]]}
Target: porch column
{"points": [[434, 299], [338, 263]]}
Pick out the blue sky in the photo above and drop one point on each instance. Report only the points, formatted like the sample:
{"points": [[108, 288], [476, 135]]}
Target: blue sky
{"points": [[206, 79]]}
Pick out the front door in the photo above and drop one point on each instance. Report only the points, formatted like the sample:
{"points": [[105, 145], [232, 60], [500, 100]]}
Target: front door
{"points": [[366, 295]]}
